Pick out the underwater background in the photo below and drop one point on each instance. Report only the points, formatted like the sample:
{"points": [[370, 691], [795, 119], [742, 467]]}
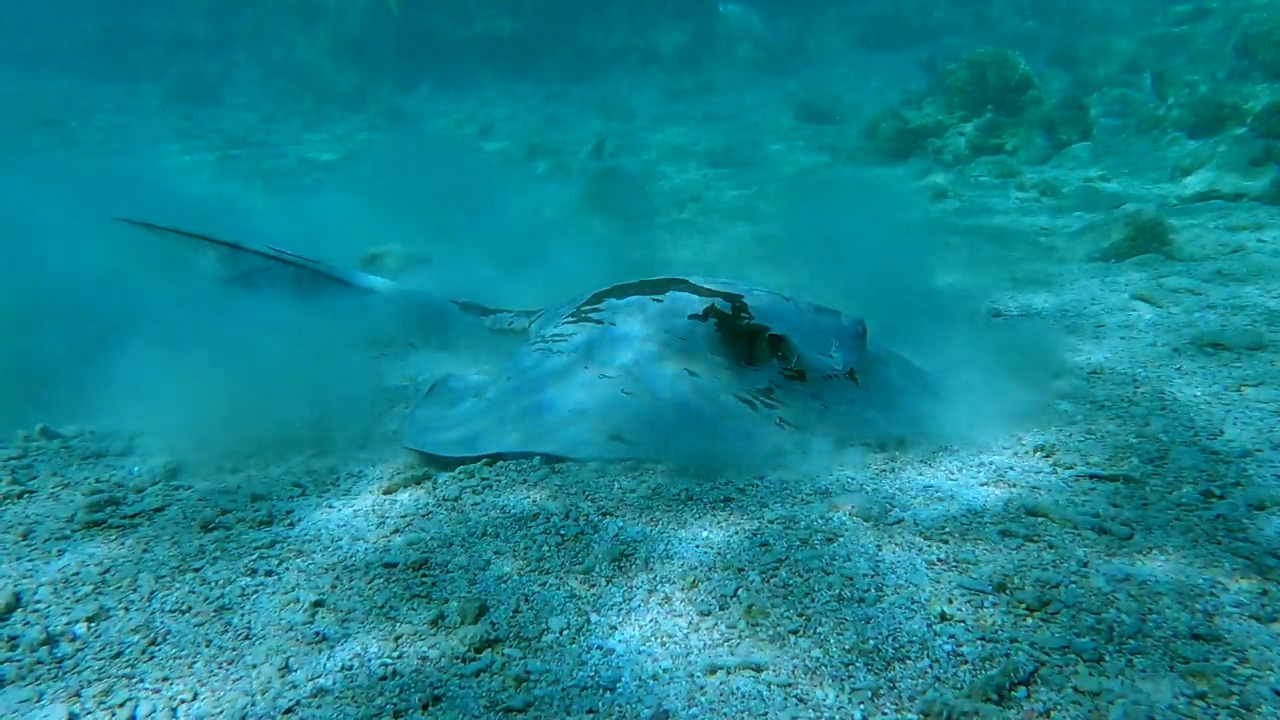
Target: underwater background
{"points": [[1066, 211]]}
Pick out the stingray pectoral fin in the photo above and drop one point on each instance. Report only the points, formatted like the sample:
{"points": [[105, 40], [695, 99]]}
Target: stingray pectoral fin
{"points": [[685, 410], [341, 276]]}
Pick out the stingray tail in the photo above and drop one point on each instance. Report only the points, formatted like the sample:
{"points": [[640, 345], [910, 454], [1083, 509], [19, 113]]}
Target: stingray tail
{"points": [[341, 276]]}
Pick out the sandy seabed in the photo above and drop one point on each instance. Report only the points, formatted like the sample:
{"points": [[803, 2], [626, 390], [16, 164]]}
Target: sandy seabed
{"points": [[1118, 560]]}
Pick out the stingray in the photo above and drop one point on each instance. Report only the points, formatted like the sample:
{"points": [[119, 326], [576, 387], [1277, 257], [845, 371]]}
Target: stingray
{"points": [[662, 369]]}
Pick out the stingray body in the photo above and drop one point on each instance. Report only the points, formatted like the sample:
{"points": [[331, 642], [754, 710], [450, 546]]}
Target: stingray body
{"points": [[657, 369]]}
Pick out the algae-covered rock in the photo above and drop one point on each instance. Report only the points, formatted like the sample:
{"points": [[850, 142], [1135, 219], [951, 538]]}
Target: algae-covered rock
{"points": [[899, 134], [1202, 114], [1258, 44], [1167, 83], [1032, 140], [1135, 232], [991, 80], [991, 135], [1068, 121], [986, 104], [1265, 122]]}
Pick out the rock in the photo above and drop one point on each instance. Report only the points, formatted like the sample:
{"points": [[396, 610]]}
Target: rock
{"points": [[56, 711], [1231, 339], [10, 601], [15, 699], [1137, 231], [997, 685], [1080, 157], [472, 610], [1237, 167], [522, 702], [44, 433]]}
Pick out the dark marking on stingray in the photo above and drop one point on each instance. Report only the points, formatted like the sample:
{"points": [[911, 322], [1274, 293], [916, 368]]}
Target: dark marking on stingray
{"points": [[760, 397], [743, 338], [293, 255], [767, 396], [751, 343], [546, 346], [580, 317], [751, 404], [850, 375], [658, 287], [654, 288]]}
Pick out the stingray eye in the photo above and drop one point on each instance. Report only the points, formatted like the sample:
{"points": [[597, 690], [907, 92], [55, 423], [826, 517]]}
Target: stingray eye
{"points": [[775, 342]]}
